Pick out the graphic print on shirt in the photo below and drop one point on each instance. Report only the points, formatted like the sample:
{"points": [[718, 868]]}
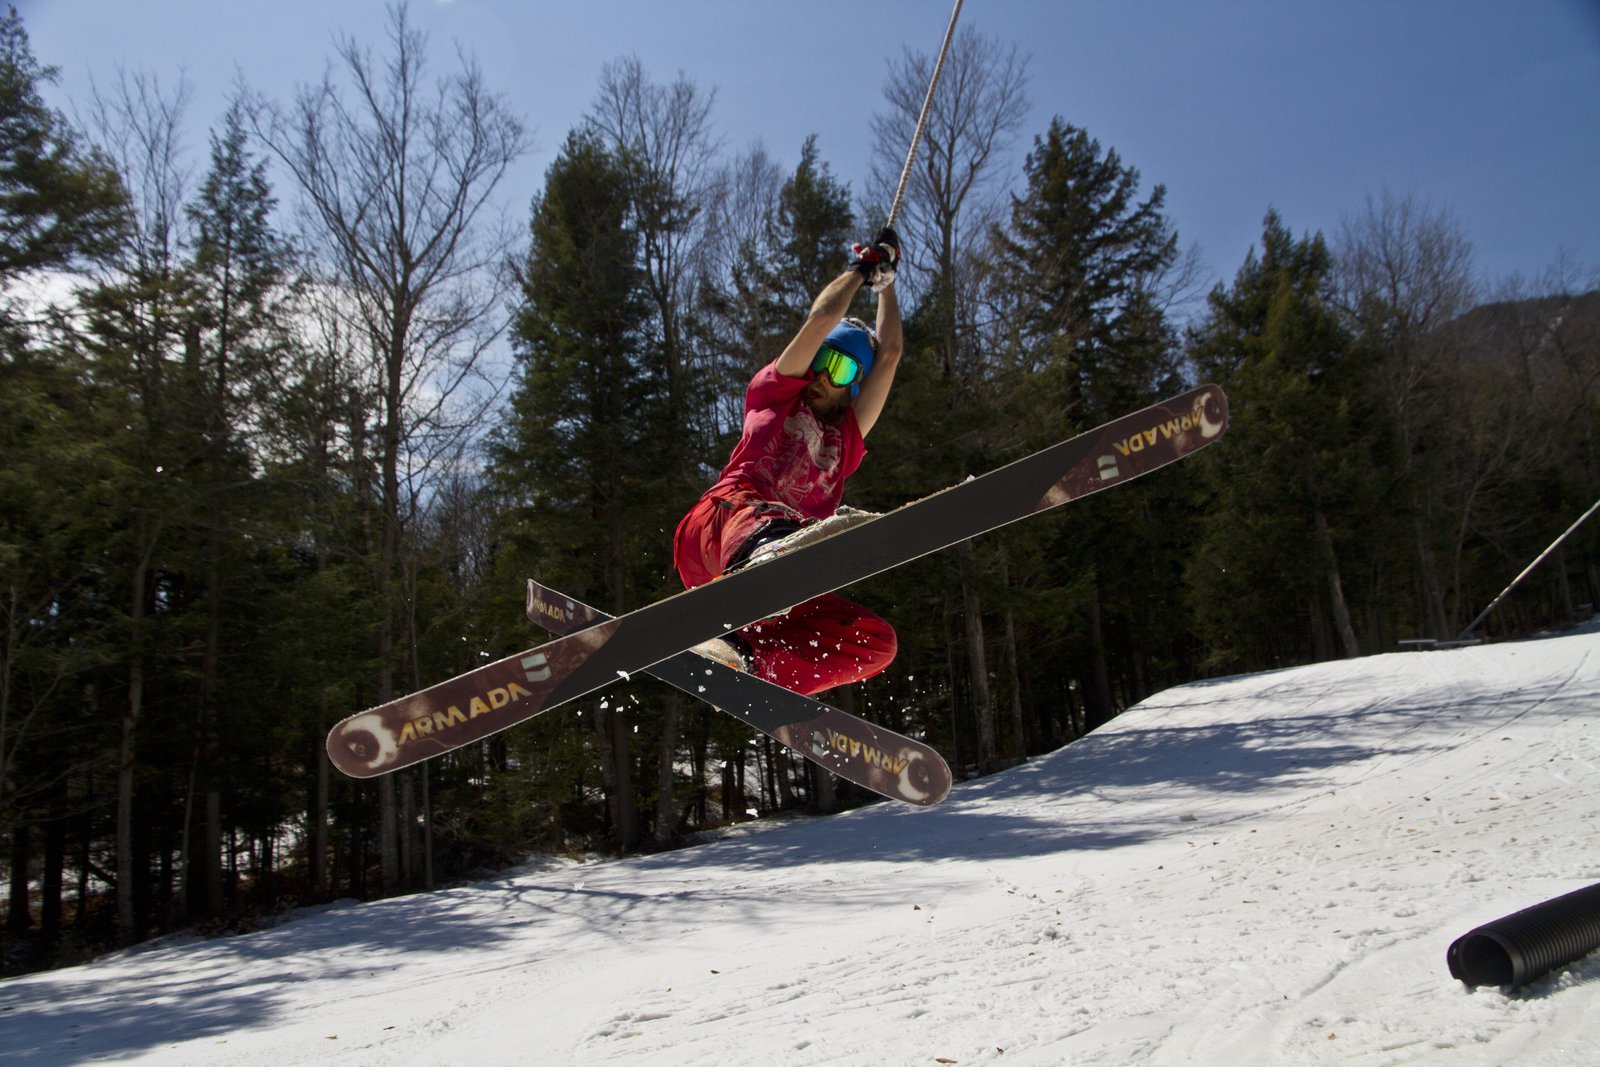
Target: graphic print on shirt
{"points": [[805, 460]]}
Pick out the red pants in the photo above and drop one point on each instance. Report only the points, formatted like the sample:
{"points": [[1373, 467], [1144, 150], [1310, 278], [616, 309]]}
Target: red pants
{"points": [[816, 645]]}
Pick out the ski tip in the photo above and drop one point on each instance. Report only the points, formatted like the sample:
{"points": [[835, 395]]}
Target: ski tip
{"points": [[361, 748]]}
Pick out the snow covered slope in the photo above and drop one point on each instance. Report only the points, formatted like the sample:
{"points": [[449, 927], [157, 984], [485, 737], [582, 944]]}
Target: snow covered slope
{"points": [[1258, 870]]}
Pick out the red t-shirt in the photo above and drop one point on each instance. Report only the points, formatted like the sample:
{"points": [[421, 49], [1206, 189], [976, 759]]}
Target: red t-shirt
{"points": [[787, 454]]}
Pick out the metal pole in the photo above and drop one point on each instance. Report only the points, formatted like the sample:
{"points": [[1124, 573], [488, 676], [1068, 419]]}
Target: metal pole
{"points": [[1527, 571]]}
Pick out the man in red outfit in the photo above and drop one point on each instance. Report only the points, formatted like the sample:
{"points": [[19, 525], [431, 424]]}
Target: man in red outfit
{"points": [[806, 418]]}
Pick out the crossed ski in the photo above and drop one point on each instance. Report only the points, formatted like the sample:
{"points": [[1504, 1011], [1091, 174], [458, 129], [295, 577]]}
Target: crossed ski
{"points": [[499, 695], [876, 758]]}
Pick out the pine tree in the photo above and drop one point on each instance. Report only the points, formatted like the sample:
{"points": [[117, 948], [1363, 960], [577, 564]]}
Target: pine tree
{"points": [[137, 333], [1306, 463], [59, 202], [571, 469], [661, 137], [813, 227], [61, 206], [1082, 270], [235, 358], [1082, 262]]}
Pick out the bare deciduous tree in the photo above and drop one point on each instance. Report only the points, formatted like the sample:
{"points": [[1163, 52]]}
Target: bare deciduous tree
{"points": [[741, 320], [956, 187], [397, 175], [663, 135], [952, 198], [137, 321], [1405, 272]]}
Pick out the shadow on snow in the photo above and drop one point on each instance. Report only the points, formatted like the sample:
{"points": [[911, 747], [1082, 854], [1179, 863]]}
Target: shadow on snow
{"points": [[160, 995]]}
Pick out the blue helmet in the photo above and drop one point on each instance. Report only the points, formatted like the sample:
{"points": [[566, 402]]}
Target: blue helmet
{"points": [[854, 339]]}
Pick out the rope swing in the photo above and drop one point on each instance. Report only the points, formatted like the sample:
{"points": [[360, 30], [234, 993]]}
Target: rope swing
{"points": [[927, 102]]}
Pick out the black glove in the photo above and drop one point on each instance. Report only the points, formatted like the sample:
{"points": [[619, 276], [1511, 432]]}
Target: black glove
{"points": [[887, 236], [876, 263]]}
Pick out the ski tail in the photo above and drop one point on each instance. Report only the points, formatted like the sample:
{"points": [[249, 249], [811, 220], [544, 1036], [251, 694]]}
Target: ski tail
{"points": [[873, 757]]}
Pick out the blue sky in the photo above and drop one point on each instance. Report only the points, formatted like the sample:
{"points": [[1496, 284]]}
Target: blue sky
{"points": [[1490, 110]]}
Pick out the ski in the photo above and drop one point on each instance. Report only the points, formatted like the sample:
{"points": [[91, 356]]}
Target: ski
{"points": [[498, 695], [875, 758]]}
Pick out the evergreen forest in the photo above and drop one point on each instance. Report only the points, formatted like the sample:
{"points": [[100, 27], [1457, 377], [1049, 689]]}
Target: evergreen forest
{"points": [[284, 427]]}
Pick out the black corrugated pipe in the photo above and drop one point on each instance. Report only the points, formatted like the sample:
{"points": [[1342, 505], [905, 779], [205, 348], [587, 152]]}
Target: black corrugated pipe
{"points": [[1519, 948]]}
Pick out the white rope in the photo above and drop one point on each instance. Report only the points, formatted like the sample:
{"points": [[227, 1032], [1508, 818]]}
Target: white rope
{"points": [[927, 102]]}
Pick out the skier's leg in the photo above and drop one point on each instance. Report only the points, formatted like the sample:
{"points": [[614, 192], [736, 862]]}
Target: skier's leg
{"points": [[820, 644], [722, 529], [697, 542]]}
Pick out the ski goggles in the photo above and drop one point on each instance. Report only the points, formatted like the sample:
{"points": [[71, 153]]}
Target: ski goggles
{"points": [[841, 368]]}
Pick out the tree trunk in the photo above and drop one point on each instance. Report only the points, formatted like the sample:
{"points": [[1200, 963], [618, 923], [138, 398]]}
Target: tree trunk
{"points": [[383, 574], [211, 770], [1567, 606], [19, 916], [317, 810], [184, 897], [211, 846], [617, 770], [126, 925], [666, 775], [408, 826], [1019, 723], [1098, 706], [978, 662], [321, 787], [1432, 592], [701, 776], [125, 769], [1019, 727], [55, 861], [778, 757], [388, 835], [382, 578], [427, 828], [1341, 610], [950, 682]]}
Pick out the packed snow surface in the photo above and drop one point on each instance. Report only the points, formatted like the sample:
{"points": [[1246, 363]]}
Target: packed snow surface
{"points": [[1265, 869]]}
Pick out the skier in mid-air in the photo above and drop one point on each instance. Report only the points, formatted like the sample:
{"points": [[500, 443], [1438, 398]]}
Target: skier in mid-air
{"points": [[802, 439], [806, 418]]}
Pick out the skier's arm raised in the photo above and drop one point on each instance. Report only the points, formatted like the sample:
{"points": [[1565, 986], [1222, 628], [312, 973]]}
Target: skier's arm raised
{"points": [[871, 264], [891, 342], [826, 310]]}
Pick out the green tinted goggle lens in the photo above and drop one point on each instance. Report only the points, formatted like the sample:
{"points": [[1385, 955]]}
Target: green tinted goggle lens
{"points": [[841, 368]]}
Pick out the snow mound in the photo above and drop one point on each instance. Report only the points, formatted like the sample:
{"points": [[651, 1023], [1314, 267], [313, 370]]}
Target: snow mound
{"points": [[1260, 869]]}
